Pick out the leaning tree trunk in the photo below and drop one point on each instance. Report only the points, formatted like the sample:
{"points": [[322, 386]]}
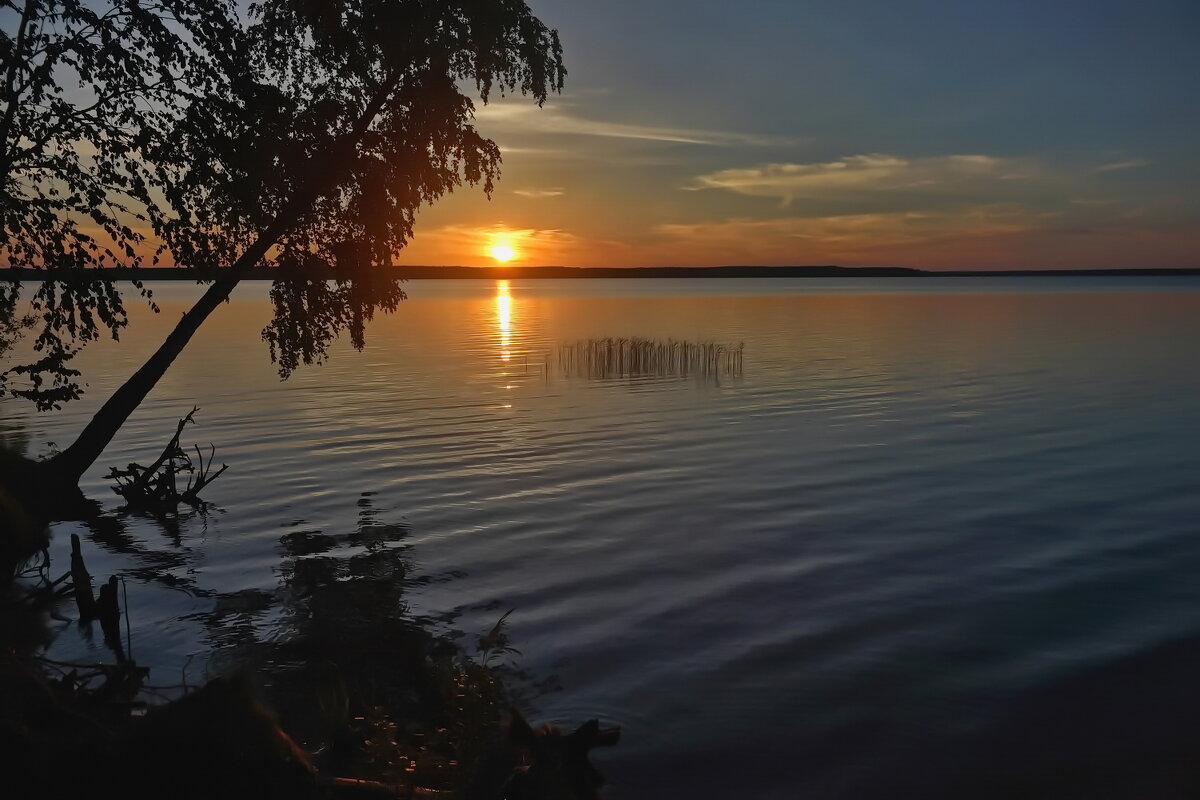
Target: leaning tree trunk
{"points": [[70, 464], [36, 492], [65, 469]]}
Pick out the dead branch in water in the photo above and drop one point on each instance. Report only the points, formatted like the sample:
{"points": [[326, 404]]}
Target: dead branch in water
{"points": [[156, 487]]}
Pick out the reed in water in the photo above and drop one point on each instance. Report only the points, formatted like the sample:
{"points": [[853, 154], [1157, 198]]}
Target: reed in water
{"points": [[636, 357]]}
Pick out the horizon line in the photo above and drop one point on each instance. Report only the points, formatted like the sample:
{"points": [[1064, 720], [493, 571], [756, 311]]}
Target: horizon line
{"points": [[556, 270]]}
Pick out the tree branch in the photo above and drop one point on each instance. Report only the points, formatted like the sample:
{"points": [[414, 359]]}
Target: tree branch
{"points": [[10, 75]]}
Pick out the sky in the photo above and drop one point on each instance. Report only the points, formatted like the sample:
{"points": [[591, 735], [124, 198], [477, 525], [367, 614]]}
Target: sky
{"points": [[939, 134]]}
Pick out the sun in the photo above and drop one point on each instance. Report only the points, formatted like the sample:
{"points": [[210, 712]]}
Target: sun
{"points": [[503, 253]]}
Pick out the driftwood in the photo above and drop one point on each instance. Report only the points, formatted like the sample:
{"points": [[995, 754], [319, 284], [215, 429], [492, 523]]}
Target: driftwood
{"points": [[156, 487], [103, 607], [85, 599]]}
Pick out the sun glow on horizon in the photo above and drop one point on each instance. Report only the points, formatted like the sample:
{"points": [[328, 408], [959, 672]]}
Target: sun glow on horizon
{"points": [[502, 252]]}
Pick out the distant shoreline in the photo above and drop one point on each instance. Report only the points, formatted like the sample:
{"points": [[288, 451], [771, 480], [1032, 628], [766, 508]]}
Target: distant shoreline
{"points": [[498, 273]]}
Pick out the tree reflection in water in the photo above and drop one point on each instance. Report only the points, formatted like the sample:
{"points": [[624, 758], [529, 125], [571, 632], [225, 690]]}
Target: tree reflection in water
{"points": [[372, 690]]}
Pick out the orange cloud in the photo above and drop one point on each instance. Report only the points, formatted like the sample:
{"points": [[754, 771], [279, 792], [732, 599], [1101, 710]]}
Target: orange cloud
{"points": [[991, 237], [470, 245]]}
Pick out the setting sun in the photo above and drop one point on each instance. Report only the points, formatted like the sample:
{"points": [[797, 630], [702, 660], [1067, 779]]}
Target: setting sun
{"points": [[503, 253]]}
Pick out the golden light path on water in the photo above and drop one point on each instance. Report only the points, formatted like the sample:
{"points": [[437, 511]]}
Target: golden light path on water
{"points": [[504, 327], [504, 318]]}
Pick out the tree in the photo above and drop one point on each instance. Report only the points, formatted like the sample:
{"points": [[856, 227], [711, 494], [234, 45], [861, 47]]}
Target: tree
{"points": [[82, 86], [13, 324], [297, 134]]}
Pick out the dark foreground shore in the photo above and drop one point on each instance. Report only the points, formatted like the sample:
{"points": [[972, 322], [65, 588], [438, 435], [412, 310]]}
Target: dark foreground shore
{"points": [[358, 700]]}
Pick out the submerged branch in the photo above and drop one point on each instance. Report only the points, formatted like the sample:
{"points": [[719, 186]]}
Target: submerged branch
{"points": [[155, 487]]}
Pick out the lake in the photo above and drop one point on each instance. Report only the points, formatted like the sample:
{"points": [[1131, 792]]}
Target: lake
{"points": [[919, 535]]}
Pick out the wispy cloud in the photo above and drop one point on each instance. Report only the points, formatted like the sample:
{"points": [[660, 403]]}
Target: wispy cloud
{"points": [[854, 233], [540, 193], [1133, 163], [559, 120], [468, 244], [507, 149], [998, 235], [873, 172]]}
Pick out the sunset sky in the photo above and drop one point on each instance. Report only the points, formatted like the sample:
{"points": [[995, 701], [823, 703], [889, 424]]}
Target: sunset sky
{"points": [[929, 133]]}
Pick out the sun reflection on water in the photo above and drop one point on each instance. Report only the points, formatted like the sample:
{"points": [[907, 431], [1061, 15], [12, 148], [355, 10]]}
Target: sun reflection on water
{"points": [[504, 318]]}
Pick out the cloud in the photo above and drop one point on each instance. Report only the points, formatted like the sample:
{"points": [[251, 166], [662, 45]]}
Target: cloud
{"points": [[998, 235], [471, 244], [521, 150], [1120, 165], [847, 234], [540, 193], [481, 234], [557, 120], [875, 172]]}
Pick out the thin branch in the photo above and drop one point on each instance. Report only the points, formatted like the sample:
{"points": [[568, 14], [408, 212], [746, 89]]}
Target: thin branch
{"points": [[10, 109]]}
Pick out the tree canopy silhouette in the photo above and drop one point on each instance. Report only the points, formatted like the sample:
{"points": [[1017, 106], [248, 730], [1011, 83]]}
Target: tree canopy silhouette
{"points": [[297, 134]]}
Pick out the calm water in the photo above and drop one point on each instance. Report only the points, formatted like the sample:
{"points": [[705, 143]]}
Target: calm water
{"points": [[932, 529]]}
